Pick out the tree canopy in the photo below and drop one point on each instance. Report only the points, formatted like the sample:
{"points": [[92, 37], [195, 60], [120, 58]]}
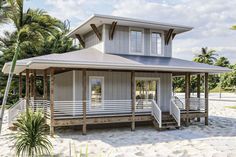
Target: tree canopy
{"points": [[36, 33]]}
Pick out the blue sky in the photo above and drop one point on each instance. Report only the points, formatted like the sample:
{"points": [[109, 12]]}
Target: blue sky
{"points": [[211, 19]]}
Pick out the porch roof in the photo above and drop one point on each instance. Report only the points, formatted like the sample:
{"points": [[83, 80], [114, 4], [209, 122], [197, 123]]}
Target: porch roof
{"points": [[92, 58]]}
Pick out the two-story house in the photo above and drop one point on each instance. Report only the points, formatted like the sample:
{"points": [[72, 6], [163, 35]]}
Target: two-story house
{"points": [[123, 74]]}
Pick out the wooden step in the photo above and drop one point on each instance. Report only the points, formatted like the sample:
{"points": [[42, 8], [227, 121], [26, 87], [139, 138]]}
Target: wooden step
{"points": [[168, 122]]}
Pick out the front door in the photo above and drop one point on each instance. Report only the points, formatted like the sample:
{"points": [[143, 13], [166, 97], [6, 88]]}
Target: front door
{"points": [[147, 91]]}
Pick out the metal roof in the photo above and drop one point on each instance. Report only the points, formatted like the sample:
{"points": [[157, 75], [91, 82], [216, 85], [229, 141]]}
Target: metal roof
{"points": [[98, 20], [93, 58]]}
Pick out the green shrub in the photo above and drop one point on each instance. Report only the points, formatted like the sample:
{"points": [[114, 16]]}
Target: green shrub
{"points": [[31, 138]]}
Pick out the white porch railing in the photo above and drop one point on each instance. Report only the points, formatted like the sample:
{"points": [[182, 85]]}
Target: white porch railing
{"points": [[144, 105], [156, 112], [41, 105], [195, 104], [73, 109], [175, 111], [15, 110]]}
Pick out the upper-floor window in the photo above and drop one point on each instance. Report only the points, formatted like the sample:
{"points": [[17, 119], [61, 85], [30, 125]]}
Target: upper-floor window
{"points": [[156, 43], [136, 41]]}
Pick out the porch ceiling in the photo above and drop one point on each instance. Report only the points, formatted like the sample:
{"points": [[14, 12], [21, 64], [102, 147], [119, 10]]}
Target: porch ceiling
{"points": [[92, 58]]}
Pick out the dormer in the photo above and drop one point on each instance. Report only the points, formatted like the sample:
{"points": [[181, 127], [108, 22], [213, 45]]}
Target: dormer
{"points": [[119, 35]]}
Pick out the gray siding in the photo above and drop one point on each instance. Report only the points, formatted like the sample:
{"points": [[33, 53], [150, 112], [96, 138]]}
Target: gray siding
{"points": [[91, 38], [64, 86], [117, 86], [120, 42]]}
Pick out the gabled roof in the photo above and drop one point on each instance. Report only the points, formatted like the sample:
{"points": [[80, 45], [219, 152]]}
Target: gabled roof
{"points": [[94, 59], [107, 19]]}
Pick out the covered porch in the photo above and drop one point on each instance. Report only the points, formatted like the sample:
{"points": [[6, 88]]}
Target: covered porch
{"points": [[91, 87], [74, 112]]}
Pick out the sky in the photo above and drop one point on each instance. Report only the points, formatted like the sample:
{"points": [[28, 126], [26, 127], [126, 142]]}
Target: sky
{"points": [[211, 19]]}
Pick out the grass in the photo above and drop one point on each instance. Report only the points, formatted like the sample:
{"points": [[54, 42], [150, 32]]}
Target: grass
{"points": [[231, 107], [226, 90]]}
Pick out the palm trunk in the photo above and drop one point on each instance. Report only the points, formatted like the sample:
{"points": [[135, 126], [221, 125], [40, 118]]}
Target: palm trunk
{"points": [[10, 76]]}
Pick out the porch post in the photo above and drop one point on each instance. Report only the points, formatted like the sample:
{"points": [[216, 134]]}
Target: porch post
{"points": [[84, 101], [31, 85], [20, 85], [199, 92], [206, 98], [27, 88], [133, 100], [187, 96], [198, 86], [52, 79], [34, 84], [45, 92], [45, 87]]}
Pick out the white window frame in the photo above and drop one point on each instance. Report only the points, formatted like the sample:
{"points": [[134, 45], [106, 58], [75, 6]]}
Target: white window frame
{"points": [[136, 29], [158, 79], [90, 92], [162, 42]]}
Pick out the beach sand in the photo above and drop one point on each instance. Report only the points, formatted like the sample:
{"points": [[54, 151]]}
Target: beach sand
{"points": [[218, 139]]}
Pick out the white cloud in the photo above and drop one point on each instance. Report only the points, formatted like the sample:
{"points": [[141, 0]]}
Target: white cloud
{"points": [[77, 10], [211, 19]]}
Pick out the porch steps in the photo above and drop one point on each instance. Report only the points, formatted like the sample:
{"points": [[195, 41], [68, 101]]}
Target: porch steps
{"points": [[168, 122]]}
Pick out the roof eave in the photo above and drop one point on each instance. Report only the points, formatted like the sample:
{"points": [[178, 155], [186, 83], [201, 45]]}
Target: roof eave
{"points": [[174, 26]]}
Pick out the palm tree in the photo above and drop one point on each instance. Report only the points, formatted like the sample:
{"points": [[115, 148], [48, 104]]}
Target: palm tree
{"points": [[3, 9], [31, 28], [31, 139], [223, 62], [206, 56]]}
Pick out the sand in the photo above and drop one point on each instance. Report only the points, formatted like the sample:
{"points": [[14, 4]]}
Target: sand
{"points": [[218, 139]]}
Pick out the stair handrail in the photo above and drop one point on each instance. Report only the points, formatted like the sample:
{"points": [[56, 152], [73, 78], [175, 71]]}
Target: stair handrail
{"points": [[156, 112], [175, 111], [15, 110]]}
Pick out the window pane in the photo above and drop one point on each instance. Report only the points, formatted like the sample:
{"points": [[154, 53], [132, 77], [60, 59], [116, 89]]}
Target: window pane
{"points": [[156, 43], [96, 93], [136, 40], [133, 41]]}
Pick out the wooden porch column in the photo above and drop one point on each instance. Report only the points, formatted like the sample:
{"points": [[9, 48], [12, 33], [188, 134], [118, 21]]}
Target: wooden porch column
{"points": [[198, 86], [20, 85], [133, 100], [84, 101], [34, 84], [206, 98], [187, 96], [27, 88], [31, 85], [45, 85], [52, 79], [199, 91]]}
